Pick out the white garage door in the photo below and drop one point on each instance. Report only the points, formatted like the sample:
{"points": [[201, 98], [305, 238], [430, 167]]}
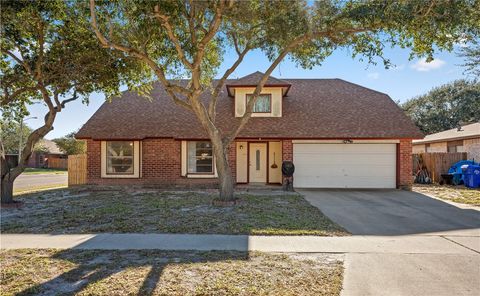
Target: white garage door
{"points": [[344, 165]]}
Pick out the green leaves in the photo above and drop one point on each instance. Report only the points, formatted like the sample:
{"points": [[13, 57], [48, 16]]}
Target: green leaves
{"points": [[445, 107]]}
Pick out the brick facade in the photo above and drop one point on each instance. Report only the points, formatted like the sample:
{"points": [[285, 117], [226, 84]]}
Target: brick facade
{"points": [[161, 165], [287, 150], [404, 171]]}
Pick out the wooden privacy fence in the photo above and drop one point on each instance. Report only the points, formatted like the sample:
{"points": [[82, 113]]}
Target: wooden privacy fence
{"points": [[57, 163], [436, 163], [77, 169]]}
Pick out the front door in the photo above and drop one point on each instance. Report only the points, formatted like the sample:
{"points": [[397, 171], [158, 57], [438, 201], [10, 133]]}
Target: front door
{"points": [[258, 163]]}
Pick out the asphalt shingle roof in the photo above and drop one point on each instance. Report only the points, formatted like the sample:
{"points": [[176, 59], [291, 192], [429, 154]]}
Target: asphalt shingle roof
{"points": [[313, 108]]}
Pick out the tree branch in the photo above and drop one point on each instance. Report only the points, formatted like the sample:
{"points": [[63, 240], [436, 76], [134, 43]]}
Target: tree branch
{"points": [[19, 61], [163, 19], [8, 98], [169, 87], [214, 98]]}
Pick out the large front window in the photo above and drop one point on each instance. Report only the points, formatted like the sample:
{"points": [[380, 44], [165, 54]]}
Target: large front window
{"points": [[120, 158], [262, 105], [200, 157]]}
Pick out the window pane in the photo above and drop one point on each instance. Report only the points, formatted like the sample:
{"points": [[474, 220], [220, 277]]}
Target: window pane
{"points": [[262, 105], [120, 157], [200, 157]]}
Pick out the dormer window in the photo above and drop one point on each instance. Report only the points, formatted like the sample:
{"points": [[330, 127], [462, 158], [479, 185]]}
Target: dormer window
{"points": [[268, 104], [263, 103]]}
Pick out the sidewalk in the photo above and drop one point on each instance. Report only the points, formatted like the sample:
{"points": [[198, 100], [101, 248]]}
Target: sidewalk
{"points": [[434, 264], [418, 244]]}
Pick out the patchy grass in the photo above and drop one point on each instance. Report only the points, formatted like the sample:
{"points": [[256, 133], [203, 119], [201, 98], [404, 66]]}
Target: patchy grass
{"points": [[458, 194], [142, 272], [36, 171], [152, 211]]}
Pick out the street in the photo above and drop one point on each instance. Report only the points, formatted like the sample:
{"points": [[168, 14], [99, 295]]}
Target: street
{"points": [[25, 182]]}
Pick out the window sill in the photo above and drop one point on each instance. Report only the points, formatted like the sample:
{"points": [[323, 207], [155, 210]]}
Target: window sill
{"points": [[201, 176]]}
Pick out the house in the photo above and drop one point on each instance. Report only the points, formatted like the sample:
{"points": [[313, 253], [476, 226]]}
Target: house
{"points": [[47, 155], [338, 135], [463, 139]]}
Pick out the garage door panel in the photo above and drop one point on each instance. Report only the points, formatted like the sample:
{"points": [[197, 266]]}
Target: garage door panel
{"points": [[336, 159], [345, 165]]}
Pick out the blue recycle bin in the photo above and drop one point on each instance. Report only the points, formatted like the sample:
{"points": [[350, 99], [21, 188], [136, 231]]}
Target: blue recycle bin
{"points": [[471, 176]]}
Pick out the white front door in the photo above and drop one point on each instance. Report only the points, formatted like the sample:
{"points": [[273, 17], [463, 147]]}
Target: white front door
{"points": [[258, 163]]}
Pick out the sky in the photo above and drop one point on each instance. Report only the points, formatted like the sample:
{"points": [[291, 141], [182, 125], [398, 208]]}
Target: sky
{"points": [[405, 80]]}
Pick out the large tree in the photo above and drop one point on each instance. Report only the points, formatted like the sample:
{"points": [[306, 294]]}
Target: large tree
{"points": [[69, 145], [10, 135], [49, 55], [471, 53], [445, 107], [188, 39]]}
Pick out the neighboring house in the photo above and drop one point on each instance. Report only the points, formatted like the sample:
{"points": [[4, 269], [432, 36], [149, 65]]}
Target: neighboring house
{"points": [[464, 139], [47, 155], [338, 135]]}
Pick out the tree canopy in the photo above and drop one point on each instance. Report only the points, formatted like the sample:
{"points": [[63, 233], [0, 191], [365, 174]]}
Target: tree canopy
{"points": [[471, 53], [69, 145], [9, 135], [446, 106], [49, 54]]}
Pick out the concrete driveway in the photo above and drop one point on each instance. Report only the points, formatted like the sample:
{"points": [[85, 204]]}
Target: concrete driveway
{"points": [[401, 216], [394, 212]]}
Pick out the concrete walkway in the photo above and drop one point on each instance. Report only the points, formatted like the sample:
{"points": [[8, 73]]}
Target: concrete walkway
{"points": [[411, 244]]}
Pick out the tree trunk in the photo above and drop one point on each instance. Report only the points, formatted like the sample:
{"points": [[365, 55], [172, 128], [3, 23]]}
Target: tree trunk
{"points": [[225, 178], [7, 190]]}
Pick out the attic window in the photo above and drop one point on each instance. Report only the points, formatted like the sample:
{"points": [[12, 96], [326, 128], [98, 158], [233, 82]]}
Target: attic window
{"points": [[263, 103]]}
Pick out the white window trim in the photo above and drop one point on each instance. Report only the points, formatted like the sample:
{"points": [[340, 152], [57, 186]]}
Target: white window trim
{"points": [[184, 168], [136, 162]]}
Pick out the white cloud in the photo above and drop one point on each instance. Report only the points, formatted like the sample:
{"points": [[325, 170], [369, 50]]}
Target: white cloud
{"points": [[422, 65], [374, 75]]}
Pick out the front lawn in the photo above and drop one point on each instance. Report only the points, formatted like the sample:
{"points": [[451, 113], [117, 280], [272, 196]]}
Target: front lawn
{"points": [[458, 194], [153, 211], [142, 272], [37, 171]]}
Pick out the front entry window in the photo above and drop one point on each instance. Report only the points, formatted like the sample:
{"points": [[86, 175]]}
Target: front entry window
{"points": [[200, 157], [120, 158]]}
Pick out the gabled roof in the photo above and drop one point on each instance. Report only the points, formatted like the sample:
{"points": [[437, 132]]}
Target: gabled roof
{"points": [[466, 132], [251, 80], [314, 109]]}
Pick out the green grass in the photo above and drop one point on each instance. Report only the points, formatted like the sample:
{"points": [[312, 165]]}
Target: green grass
{"points": [[67, 211], [151, 272], [37, 171], [459, 194]]}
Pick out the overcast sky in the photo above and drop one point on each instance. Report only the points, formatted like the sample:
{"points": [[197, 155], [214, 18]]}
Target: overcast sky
{"points": [[404, 81]]}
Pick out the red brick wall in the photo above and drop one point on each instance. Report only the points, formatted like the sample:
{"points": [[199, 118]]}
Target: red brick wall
{"points": [[93, 161], [161, 165], [405, 164], [287, 150]]}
